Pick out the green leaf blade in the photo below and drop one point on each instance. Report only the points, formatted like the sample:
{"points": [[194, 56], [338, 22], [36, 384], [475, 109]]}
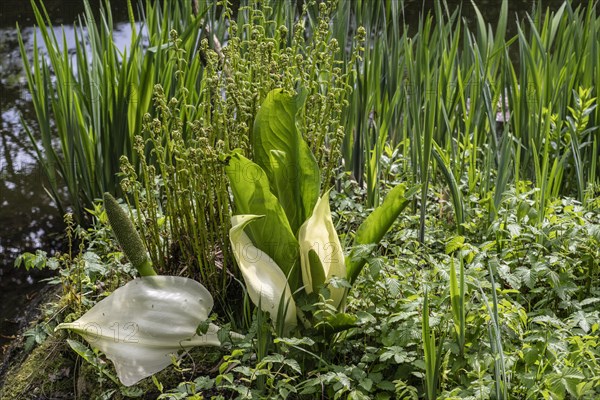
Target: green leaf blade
{"points": [[271, 234], [372, 230], [281, 151]]}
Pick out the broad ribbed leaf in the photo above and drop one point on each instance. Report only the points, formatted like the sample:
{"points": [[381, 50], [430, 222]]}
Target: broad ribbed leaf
{"points": [[373, 228], [265, 281], [318, 234], [284, 155], [337, 323], [141, 324], [271, 234], [282, 186]]}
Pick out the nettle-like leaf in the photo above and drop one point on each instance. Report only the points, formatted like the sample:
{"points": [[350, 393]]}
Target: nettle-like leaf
{"points": [[321, 250], [271, 234], [266, 283], [281, 151], [140, 325]]}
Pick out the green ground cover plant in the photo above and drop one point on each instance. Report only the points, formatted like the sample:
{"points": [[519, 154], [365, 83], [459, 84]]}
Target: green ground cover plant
{"points": [[274, 128], [545, 313]]}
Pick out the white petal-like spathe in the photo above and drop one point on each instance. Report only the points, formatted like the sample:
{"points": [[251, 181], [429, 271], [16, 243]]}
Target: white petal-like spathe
{"points": [[141, 324], [265, 281], [318, 234]]}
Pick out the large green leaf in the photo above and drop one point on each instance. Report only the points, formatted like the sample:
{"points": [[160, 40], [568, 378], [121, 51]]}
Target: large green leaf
{"points": [[282, 187], [337, 322], [284, 155], [373, 228], [271, 234]]}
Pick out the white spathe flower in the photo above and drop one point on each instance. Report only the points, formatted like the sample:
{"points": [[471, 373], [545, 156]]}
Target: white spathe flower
{"points": [[140, 325], [318, 234], [266, 283]]}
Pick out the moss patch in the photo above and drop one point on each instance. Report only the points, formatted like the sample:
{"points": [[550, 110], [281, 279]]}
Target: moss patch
{"points": [[42, 373], [53, 371]]}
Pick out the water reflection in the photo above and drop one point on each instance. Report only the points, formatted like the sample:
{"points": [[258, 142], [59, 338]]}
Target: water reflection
{"points": [[29, 220], [27, 216]]}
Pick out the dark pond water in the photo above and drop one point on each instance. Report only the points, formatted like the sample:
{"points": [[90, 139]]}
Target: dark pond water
{"points": [[28, 219]]}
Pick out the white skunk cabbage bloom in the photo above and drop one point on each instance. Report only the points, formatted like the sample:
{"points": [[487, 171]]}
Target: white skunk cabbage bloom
{"points": [[140, 325], [266, 283], [318, 236]]}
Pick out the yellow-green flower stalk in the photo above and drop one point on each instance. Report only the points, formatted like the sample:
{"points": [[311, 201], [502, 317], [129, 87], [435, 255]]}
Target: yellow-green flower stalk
{"points": [[127, 236]]}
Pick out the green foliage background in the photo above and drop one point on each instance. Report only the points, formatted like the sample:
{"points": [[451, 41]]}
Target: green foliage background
{"points": [[487, 286]]}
